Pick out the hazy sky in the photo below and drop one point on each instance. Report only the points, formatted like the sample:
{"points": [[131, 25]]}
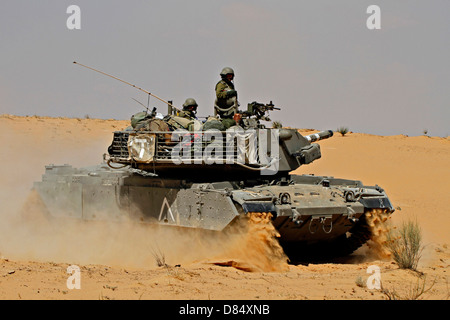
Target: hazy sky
{"points": [[317, 60]]}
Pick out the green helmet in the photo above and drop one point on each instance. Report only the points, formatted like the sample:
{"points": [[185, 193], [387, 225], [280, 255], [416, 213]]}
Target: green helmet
{"points": [[190, 102], [226, 70]]}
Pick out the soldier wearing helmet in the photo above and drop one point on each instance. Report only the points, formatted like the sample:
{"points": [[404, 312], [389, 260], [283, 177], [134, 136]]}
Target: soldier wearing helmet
{"points": [[189, 109], [226, 103]]}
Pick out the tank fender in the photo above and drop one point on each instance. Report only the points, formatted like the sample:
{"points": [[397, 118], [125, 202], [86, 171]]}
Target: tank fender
{"points": [[254, 201], [369, 197]]}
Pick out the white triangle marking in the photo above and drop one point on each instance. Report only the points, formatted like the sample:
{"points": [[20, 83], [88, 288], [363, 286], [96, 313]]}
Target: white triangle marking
{"points": [[166, 204]]}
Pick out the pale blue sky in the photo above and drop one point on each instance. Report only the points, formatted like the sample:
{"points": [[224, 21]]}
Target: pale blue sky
{"points": [[315, 59]]}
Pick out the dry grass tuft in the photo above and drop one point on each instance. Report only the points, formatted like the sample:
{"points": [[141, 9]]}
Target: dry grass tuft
{"points": [[342, 130], [405, 244]]}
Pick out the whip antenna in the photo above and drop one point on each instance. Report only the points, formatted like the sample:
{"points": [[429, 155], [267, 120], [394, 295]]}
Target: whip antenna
{"points": [[130, 84], [140, 103]]}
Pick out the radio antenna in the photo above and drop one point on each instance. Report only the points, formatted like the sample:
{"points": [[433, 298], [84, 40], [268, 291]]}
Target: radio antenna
{"points": [[130, 84]]}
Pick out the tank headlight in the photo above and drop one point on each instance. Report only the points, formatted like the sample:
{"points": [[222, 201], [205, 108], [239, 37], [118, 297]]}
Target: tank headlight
{"points": [[285, 198], [349, 196]]}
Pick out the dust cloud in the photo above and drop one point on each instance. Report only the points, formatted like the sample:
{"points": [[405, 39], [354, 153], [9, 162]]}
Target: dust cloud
{"points": [[379, 224], [252, 245], [249, 245]]}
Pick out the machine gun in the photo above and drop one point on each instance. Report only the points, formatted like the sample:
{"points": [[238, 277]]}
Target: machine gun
{"points": [[259, 110]]}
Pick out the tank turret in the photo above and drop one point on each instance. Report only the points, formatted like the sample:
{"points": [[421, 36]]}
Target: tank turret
{"points": [[247, 149]]}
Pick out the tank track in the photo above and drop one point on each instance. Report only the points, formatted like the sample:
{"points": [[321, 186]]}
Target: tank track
{"points": [[342, 246]]}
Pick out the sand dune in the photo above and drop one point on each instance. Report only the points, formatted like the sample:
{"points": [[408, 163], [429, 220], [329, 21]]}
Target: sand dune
{"points": [[414, 171]]}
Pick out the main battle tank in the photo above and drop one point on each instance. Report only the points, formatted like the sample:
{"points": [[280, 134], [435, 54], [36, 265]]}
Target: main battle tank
{"points": [[156, 171]]}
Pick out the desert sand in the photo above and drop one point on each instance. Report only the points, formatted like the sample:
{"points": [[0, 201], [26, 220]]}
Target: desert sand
{"points": [[120, 261]]}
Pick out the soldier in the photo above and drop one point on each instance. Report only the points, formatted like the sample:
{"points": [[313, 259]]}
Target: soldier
{"points": [[226, 103], [189, 109]]}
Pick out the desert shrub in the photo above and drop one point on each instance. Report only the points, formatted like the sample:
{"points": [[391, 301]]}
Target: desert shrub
{"points": [[415, 291], [360, 282], [405, 244], [159, 256], [342, 130]]}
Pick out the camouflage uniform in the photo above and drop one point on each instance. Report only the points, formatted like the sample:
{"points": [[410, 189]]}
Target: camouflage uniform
{"points": [[226, 96], [189, 109], [186, 114]]}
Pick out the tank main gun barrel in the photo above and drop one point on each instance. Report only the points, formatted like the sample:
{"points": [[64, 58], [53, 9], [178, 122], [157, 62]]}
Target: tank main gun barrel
{"points": [[319, 136]]}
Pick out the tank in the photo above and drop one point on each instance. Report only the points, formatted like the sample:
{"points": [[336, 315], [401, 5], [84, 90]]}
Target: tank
{"points": [[187, 173]]}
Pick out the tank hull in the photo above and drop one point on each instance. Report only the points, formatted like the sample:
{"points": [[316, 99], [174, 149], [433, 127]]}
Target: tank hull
{"points": [[307, 211]]}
